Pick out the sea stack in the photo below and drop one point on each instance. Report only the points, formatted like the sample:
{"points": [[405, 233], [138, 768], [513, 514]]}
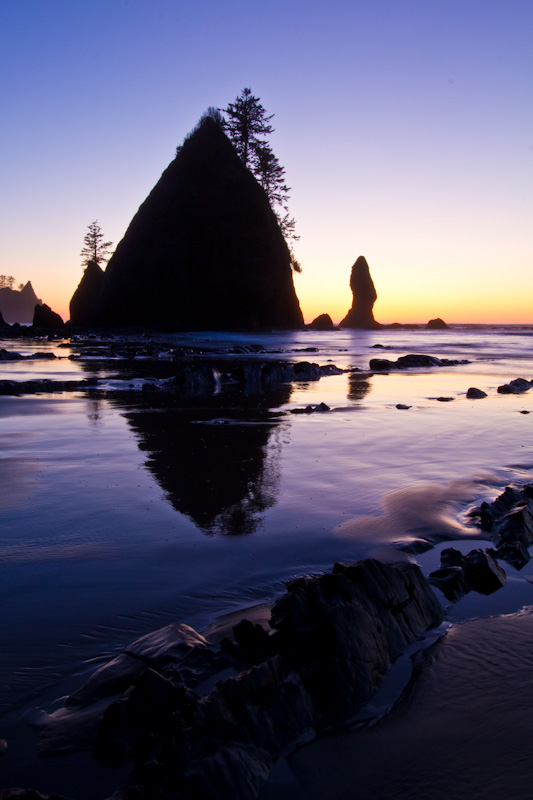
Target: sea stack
{"points": [[86, 294], [364, 296], [203, 252], [18, 306], [46, 319]]}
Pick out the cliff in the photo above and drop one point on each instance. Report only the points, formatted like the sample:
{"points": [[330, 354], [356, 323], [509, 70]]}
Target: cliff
{"points": [[364, 296], [18, 306], [204, 250]]}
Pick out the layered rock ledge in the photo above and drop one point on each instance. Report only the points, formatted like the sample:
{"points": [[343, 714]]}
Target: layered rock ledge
{"points": [[199, 721]]}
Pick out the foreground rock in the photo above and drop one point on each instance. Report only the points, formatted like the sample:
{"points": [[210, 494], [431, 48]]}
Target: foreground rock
{"points": [[478, 571], [413, 361], [509, 521], [203, 252], [472, 690], [361, 314], [328, 645]]}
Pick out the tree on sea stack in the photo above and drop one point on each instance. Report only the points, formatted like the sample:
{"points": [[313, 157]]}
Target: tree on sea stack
{"points": [[247, 122], [246, 127], [95, 249]]}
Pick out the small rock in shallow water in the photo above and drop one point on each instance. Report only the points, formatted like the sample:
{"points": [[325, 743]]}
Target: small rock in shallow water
{"points": [[402, 407], [483, 573], [518, 386], [475, 394]]}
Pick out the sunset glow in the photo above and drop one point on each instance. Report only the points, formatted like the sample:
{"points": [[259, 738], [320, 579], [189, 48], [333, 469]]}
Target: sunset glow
{"points": [[405, 131]]}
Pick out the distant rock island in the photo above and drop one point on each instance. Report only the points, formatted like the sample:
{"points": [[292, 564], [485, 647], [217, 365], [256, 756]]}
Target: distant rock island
{"points": [[204, 251], [437, 324], [18, 306], [364, 296]]}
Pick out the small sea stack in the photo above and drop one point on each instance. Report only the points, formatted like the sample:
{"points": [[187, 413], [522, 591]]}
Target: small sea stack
{"points": [[322, 323], [364, 296], [46, 319], [437, 324], [85, 295]]}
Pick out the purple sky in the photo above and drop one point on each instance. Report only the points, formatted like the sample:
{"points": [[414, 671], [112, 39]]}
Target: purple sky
{"points": [[405, 127]]}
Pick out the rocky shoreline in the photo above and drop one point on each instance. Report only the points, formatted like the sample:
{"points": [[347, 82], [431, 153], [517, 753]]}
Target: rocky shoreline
{"points": [[207, 716]]}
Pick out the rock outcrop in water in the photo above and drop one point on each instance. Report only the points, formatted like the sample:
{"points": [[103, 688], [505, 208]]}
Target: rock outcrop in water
{"points": [[18, 306], [45, 319], [437, 324], [204, 250], [327, 647], [364, 296], [86, 294], [322, 323]]}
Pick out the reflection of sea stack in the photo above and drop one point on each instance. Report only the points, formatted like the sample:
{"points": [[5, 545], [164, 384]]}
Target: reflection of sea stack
{"points": [[204, 250], [364, 296]]}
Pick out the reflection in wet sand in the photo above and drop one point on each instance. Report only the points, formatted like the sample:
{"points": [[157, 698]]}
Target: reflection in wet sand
{"points": [[216, 457], [358, 386]]}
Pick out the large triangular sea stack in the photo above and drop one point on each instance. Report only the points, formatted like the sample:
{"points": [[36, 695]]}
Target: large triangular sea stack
{"points": [[364, 296], [204, 250]]}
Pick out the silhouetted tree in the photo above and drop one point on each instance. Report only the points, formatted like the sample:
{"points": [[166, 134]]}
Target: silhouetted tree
{"points": [[271, 176], [6, 281], [94, 248], [247, 123]]}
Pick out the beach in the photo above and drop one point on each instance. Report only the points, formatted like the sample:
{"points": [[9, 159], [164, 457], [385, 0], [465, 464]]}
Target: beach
{"points": [[125, 509]]}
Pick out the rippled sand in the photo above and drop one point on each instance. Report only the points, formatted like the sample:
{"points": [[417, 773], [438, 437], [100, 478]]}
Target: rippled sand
{"points": [[462, 732]]}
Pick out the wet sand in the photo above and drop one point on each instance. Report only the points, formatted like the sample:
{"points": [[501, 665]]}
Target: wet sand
{"points": [[105, 503], [462, 730]]}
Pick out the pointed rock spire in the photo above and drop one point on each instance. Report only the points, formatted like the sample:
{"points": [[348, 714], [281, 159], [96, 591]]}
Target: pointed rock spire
{"points": [[364, 296]]}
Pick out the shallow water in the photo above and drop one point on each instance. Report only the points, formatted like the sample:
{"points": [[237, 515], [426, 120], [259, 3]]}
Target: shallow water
{"points": [[121, 512]]}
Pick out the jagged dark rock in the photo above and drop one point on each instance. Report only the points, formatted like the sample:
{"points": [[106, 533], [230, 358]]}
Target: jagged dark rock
{"points": [[85, 295], [458, 574], [322, 323], [204, 250], [18, 306], [364, 296], [451, 581], [46, 319], [483, 573], [437, 324], [510, 517], [330, 643], [3, 323]]}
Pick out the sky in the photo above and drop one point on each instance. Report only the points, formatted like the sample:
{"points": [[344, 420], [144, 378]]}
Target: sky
{"points": [[405, 128]]}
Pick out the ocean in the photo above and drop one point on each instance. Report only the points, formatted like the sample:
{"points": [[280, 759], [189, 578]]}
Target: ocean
{"points": [[122, 510]]}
